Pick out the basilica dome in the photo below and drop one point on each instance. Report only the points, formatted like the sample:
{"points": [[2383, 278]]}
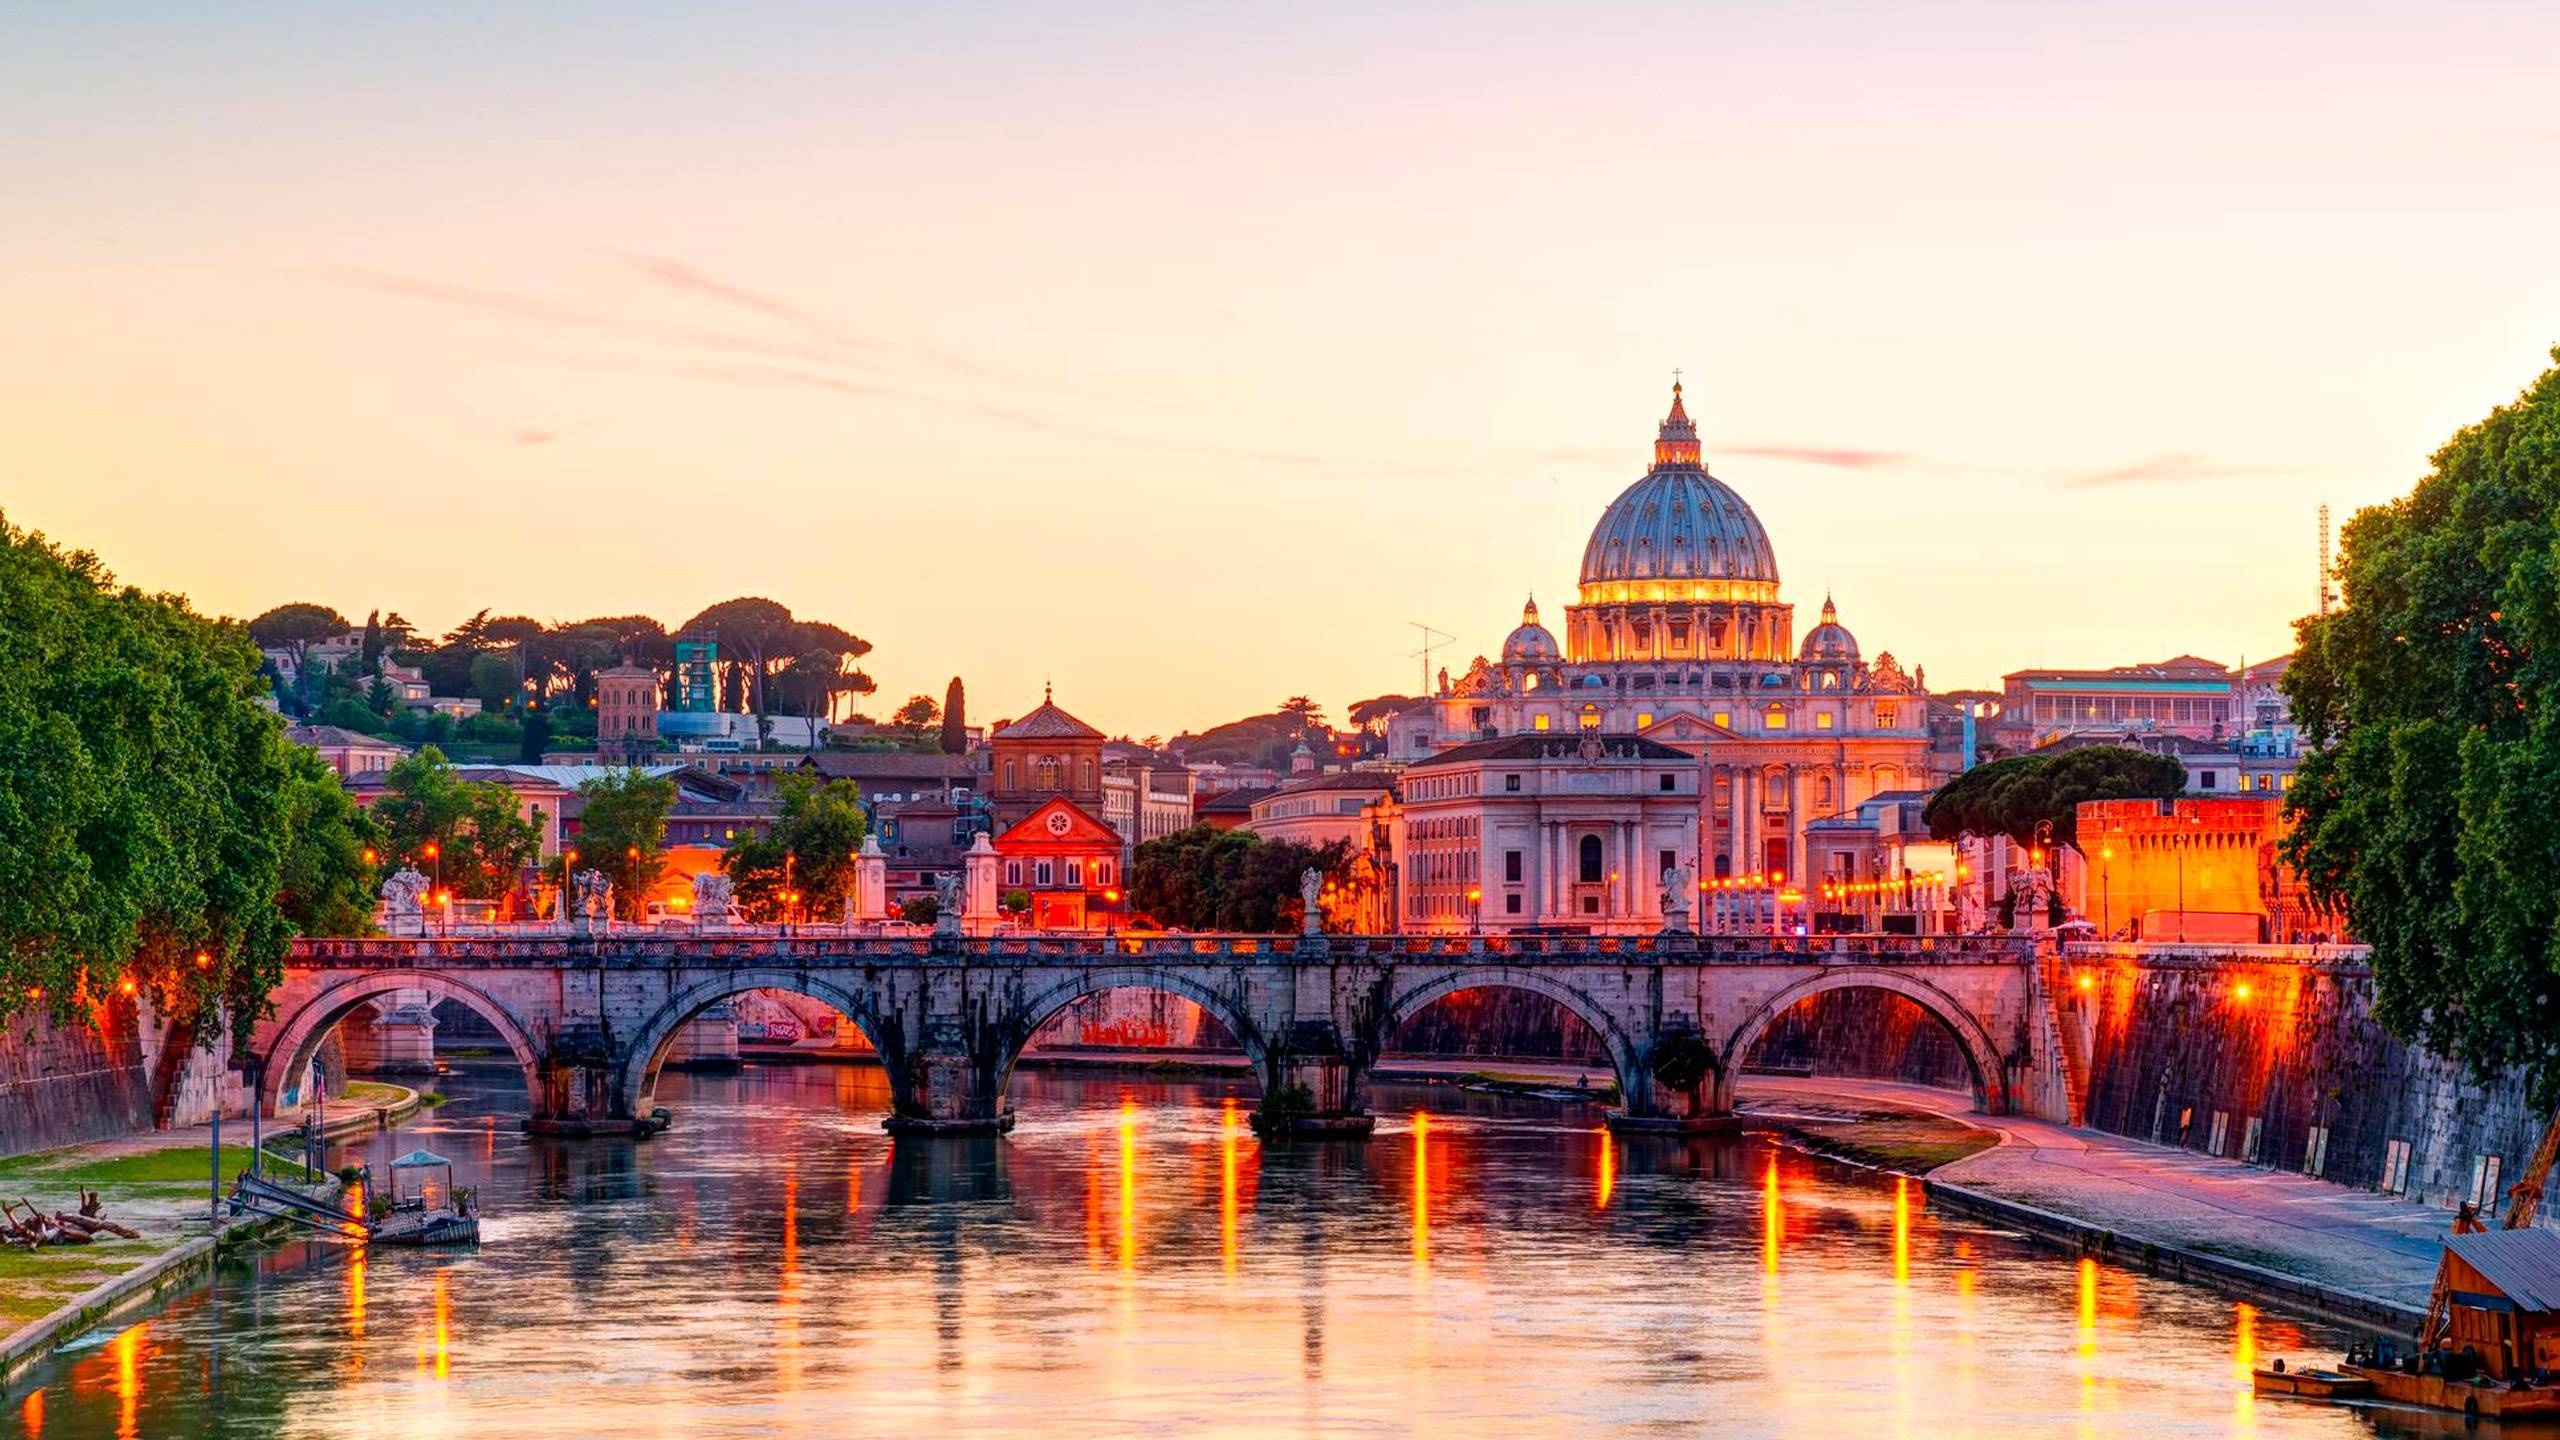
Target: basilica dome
{"points": [[1531, 644], [1679, 523]]}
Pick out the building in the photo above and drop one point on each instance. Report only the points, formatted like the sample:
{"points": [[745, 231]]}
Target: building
{"points": [[1678, 635], [1568, 832], [349, 752], [2194, 868], [1322, 809], [1877, 868], [627, 715], [1227, 809], [898, 776], [1045, 755], [1069, 864], [2186, 696], [1146, 799]]}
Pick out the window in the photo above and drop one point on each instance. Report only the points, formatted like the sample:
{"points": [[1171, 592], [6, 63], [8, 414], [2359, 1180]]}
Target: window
{"points": [[1822, 721], [1669, 783], [1510, 904], [1013, 872], [1670, 859], [2204, 780], [1044, 772], [1590, 904], [1590, 717], [1041, 874], [1884, 717], [2395, 1167], [1774, 718], [1539, 724], [1590, 860], [1822, 791], [1511, 783], [1102, 872], [1075, 872], [1644, 718], [1724, 719], [1511, 867]]}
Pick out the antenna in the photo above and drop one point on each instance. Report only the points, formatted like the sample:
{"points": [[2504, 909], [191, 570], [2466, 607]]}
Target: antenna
{"points": [[1431, 640], [2328, 597]]}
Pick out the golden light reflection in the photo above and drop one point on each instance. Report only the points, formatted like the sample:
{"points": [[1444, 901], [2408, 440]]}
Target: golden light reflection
{"points": [[2244, 1363], [786, 1345], [434, 1357], [355, 1303], [1421, 1190], [1608, 1166], [1227, 1184], [1902, 1230], [1773, 1219], [128, 1356], [1092, 1205], [1128, 1184], [31, 1415]]}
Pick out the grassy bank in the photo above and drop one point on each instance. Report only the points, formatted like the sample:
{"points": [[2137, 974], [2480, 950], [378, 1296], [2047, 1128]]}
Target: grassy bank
{"points": [[1901, 1140]]}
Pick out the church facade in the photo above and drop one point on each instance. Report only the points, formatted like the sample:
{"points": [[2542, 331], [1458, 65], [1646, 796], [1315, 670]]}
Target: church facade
{"points": [[1678, 636]]}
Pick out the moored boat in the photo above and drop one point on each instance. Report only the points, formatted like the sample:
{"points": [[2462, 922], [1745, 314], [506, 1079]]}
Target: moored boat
{"points": [[2309, 1384], [431, 1214]]}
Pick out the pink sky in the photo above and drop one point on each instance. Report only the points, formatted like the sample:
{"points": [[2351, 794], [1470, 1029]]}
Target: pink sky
{"points": [[1184, 358]]}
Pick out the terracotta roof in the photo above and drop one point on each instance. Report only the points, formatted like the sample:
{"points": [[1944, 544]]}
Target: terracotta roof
{"points": [[1232, 802], [1371, 781], [1048, 723], [890, 765], [1555, 747], [319, 735]]}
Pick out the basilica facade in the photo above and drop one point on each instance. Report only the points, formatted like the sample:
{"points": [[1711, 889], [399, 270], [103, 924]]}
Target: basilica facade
{"points": [[1678, 637]]}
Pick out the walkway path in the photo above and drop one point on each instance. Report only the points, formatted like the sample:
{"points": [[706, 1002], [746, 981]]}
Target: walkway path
{"points": [[2352, 1240]]}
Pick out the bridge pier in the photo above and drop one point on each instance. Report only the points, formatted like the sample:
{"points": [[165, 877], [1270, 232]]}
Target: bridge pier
{"points": [[1314, 1087], [950, 1086], [1682, 1088]]}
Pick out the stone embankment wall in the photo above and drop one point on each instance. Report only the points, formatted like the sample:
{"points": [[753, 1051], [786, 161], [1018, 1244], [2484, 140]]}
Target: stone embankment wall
{"points": [[64, 1083], [1870, 1033], [2282, 1064]]}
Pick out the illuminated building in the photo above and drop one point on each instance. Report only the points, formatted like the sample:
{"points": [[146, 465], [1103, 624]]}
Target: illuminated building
{"points": [[1049, 794], [2185, 696], [1678, 635], [2193, 868], [626, 715]]}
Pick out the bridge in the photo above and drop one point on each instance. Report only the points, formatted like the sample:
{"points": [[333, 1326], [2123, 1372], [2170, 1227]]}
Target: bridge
{"points": [[591, 1018]]}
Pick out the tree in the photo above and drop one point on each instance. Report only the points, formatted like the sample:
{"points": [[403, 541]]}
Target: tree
{"points": [[1205, 878], [493, 679], [811, 849], [143, 809], [296, 627], [623, 831], [2428, 805], [755, 634], [1373, 714], [955, 723], [482, 840], [1305, 713], [333, 849], [2035, 798]]}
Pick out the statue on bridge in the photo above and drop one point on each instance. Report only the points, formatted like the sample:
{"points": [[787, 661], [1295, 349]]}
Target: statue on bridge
{"points": [[947, 897], [593, 903], [715, 902], [1678, 889], [1311, 898], [404, 909]]}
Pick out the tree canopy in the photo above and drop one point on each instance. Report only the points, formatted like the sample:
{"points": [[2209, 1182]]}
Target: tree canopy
{"points": [[481, 837], [955, 719], [144, 810], [2013, 797], [1205, 878], [621, 831], [2428, 806], [810, 850]]}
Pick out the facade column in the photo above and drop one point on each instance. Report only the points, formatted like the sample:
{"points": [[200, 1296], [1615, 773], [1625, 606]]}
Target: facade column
{"points": [[1746, 819], [1795, 823]]}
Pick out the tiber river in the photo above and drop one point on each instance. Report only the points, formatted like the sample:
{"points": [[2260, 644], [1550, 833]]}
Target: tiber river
{"points": [[1131, 1262]]}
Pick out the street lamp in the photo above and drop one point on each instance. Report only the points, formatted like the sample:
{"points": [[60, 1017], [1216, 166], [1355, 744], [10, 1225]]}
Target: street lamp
{"points": [[435, 862], [2106, 902], [1475, 910], [1110, 914], [568, 864]]}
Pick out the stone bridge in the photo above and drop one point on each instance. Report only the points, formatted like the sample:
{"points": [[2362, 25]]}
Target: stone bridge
{"points": [[591, 1018]]}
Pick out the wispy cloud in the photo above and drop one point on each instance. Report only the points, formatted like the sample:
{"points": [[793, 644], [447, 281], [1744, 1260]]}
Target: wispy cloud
{"points": [[2176, 468], [694, 280], [529, 436], [1833, 456]]}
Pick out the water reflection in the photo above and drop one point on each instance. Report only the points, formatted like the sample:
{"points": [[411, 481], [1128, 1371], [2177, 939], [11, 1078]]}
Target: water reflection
{"points": [[714, 1281]]}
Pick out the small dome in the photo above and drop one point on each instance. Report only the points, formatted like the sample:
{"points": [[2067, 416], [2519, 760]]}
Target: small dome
{"points": [[1530, 644], [1830, 641]]}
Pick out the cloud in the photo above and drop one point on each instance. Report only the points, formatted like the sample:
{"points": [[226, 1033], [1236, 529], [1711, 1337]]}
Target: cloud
{"points": [[529, 436], [2176, 468], [693, 280], [1836, 458]]}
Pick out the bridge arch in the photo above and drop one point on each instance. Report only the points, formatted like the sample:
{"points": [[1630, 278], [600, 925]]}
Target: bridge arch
{"points": [[1043, 1006], [646, 1053], [298, 1037], [1626, 1057], [1990, 1075]]}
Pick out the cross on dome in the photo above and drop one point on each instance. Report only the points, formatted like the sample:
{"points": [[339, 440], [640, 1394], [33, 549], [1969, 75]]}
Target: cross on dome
{"points": [[1677, 442]]}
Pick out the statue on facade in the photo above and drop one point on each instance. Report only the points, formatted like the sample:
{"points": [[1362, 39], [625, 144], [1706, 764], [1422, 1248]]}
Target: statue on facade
{"points": [[946, 903], [1311, 901], [403, 903], [1677, 889], [715, 902]]}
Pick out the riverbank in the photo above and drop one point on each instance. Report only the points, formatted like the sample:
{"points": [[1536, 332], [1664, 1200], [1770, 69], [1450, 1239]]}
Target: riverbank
{"points": [[2264, 1234], [161, 1183]]}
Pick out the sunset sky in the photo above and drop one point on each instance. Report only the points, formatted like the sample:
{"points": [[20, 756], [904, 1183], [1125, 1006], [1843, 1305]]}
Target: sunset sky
{"points": [[1185, 353]]}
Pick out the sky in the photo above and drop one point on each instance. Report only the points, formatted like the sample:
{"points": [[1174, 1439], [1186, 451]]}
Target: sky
{"points": [[1185, 355]]}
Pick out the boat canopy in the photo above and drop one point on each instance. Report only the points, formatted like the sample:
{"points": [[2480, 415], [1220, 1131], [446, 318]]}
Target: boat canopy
{"points": [[419, 1160]]}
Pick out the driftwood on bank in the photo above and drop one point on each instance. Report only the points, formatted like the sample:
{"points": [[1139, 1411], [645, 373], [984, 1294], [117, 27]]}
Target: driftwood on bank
{"points": [[35, 1228]]}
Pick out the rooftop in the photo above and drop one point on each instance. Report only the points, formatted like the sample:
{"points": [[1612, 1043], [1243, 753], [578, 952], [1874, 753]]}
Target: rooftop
{"points": [[1556, 748]]}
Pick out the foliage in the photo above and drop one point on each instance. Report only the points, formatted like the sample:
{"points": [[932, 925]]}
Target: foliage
{"points": [[1205, 878], [621, 832], [296, 627], [1256, 740], [920, 910], [811, 849], [333, 847], [2428, 808], [482, 838], [955, 719], [2045, 787], [758, 637], [1016, 900], [143, 814], [1374, 713], [493, 679]]}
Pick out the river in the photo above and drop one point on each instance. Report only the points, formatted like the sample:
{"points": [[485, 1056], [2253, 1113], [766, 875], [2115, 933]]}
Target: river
{"points": [[1130, 1260]]}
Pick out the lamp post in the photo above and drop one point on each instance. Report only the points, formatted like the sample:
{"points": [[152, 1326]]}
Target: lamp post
{"points": [[1475, 910], [1110, 915], [2106, 901], [568, 868], [789, 862], [435, 863]]}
